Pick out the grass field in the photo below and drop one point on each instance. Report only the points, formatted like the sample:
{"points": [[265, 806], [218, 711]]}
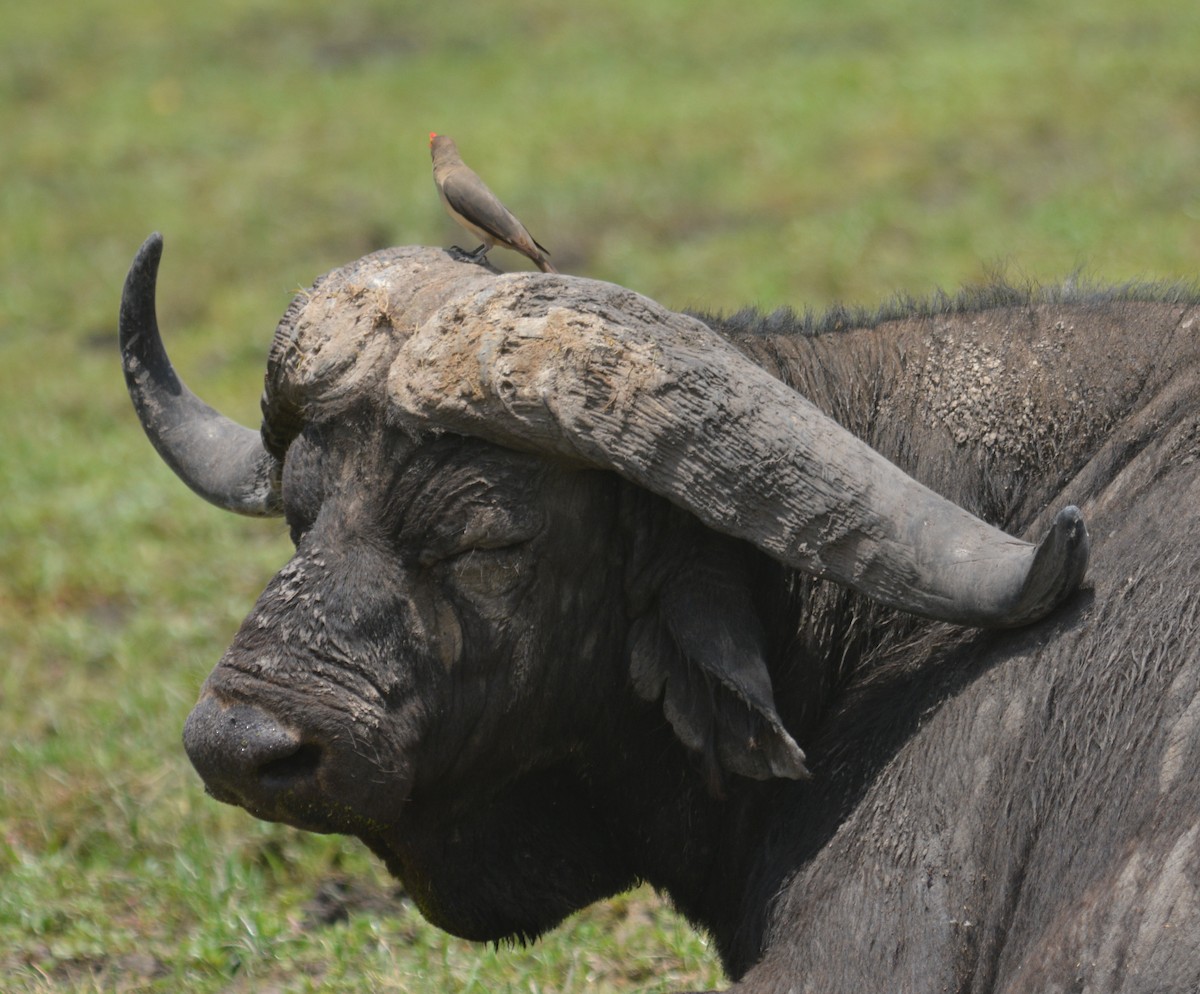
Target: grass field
{"points": [[709, 154]]}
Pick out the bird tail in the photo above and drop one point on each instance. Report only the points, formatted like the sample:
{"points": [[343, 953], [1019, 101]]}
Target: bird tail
{"points": [[544, 265]]}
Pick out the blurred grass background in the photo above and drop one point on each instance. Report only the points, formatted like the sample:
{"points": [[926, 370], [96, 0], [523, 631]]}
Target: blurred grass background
{"points": [[709, 154]]}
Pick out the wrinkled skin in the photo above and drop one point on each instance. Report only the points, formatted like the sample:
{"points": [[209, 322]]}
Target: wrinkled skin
{"points": [[411, 630], [425, 633], [449, 666]]}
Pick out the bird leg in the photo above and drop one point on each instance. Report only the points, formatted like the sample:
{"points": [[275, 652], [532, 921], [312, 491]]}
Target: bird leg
{"points": [[479, 256]]}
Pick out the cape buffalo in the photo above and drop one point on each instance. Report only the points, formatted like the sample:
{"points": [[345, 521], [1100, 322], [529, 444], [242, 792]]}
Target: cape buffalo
{"points": [[577, 577]]}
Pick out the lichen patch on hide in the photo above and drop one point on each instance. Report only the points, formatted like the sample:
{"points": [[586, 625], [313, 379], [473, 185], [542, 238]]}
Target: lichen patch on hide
{"points": [[983, 393]]}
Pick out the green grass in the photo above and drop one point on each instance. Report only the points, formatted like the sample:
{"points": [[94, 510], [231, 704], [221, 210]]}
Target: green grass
{"points": [[708, 154]]}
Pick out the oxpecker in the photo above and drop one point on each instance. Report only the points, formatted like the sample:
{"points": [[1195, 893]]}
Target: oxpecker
{"points": [[476, 208]]}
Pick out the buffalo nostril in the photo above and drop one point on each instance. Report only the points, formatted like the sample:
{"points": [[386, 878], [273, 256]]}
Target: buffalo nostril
{"points": [[232, 747], [300, 764], [279, 772]]}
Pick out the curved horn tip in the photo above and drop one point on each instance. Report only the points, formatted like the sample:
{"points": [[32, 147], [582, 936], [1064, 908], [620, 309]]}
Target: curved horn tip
{"points": [[1058, 568], [151, 247], [1068, 537], [145, 262], [138, 294]]}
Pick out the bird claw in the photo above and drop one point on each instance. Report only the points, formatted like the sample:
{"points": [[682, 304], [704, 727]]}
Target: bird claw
{"points": [[478, 256]]}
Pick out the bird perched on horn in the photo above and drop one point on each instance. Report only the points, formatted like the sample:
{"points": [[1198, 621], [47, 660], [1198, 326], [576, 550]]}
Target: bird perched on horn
{"points": [[469, 201]]}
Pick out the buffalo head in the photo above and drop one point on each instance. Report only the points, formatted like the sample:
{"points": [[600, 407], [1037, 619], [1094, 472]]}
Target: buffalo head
{"points": [[531, 516]]}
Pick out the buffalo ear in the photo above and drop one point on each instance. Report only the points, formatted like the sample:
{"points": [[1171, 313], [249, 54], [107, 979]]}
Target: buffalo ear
{"points": [[700, 648]]}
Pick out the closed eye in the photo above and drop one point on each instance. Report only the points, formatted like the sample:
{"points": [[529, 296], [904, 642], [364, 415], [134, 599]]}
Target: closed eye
{"points": [[488, 533], [487, 573], [469, 546]]}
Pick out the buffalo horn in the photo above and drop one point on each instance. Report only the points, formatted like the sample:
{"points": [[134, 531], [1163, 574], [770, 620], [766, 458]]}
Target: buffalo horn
{"points": [[602, 376], [222, 461]]}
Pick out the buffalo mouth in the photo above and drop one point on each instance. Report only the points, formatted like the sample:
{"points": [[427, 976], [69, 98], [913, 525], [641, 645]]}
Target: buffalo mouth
{"points": [[249, 758]]}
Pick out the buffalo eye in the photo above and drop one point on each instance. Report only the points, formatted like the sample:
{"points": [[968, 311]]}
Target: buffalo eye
{"points": [[487, 573], [482, 547]]}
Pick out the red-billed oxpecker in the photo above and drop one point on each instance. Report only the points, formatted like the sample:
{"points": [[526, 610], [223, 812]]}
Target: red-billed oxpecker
{"points": [[476, 208]]}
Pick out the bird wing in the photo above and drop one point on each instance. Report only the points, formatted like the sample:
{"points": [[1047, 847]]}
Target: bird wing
{"points": [[469, 196]]}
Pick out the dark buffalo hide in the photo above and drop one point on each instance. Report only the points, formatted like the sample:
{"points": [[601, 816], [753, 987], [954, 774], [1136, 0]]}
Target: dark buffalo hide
{"points": [[527, 681]]}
